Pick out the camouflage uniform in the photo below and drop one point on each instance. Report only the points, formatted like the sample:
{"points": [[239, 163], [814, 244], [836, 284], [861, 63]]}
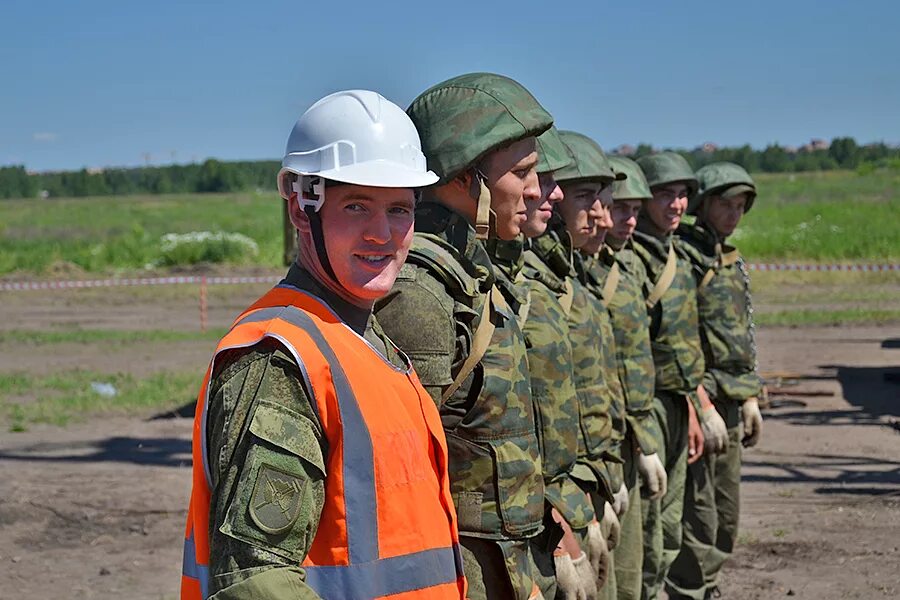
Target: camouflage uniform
{"points": [[726, 332], [544, 283], [631, 325], [249, 562], [595, 271], [678, 360], [433, 313]]}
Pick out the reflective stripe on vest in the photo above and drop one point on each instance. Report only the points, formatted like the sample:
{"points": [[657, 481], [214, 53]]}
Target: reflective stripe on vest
{"points": [[366, 575]]}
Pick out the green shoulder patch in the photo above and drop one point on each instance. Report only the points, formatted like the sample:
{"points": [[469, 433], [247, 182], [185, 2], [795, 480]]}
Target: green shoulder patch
{"points": [[276, 499]]}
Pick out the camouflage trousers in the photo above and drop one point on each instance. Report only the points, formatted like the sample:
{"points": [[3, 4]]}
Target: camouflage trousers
{"points": [[662, 517], [629, 554], [501, 569], [712, 505]]}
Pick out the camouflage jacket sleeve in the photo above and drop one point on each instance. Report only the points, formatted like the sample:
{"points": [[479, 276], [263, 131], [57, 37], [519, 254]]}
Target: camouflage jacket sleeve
{"points": [[260, 390]]}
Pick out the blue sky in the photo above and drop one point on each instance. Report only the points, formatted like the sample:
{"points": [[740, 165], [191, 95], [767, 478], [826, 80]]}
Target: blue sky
{"points": [[99, 83]]}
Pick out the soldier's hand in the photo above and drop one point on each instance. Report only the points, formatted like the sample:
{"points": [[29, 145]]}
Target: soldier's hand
{"points": [[752, 420], [715, 433], [695, 435], [611, 527], [654, 474], [598, 552], [621, 501]]}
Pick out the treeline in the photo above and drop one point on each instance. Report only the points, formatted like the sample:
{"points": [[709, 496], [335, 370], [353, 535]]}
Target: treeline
{"points": [[209, 176], [217, 176], [841, 153]]}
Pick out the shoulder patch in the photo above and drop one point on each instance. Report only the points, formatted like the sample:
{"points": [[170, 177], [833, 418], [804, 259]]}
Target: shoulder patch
{"points": [[276, 499]]}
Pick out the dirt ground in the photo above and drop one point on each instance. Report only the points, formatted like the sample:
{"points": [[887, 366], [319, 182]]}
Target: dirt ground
{"points": [[96, 510]]}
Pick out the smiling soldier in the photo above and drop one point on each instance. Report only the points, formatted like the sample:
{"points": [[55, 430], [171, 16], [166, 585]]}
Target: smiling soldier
{"points": [[320, 464]]}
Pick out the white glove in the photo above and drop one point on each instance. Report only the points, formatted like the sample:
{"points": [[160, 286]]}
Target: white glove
{"points": [[611, 526], [598, 552], [587, 577], [568, 579], [715, 433], [752, 419], [620, 501], [654, 474]]}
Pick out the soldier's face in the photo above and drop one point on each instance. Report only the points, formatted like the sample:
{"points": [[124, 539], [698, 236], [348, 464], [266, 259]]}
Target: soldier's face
{"points": [[667, 206], [512, 181], [624, 215], [724, 214], [580, 209], [368, 232], [603, 223], [539, 211]]}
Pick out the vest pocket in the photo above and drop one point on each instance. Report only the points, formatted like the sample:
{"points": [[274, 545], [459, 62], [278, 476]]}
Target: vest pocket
{"points": [[519, 484], [668, 371]]}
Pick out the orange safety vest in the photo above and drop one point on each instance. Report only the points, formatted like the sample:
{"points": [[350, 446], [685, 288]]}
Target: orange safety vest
{"points": [[388, 526]]}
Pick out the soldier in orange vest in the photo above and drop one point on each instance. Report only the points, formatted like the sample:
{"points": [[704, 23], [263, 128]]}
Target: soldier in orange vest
{"points": [[320, 463]]}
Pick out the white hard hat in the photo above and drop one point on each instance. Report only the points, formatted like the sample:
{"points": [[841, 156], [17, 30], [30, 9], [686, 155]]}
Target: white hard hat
{"points": [[357, 137]]}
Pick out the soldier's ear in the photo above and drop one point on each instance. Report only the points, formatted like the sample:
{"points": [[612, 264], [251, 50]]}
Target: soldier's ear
{"points": [[462, 183]]}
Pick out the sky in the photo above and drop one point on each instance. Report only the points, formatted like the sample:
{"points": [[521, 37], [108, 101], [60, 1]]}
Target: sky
{"points": [[121, 83]]}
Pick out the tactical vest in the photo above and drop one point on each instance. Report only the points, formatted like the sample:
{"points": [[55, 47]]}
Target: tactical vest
{"points": [[674, 336], [725, 311], [495, 463], [546, 327], [631, 326], [593, 346], [387, 527], [597, 276]]}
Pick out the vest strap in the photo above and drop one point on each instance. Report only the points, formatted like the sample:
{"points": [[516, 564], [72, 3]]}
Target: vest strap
{"points": [[480, 342], [665, 278], [612, 283]]}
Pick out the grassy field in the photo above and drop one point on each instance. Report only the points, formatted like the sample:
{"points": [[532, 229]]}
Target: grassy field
{"points": [[106, 234], [828, 216], [839, 215], [69, 395]]}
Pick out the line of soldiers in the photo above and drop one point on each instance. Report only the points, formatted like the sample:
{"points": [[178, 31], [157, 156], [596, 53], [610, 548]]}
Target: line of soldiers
{"points": [[591, 358]]}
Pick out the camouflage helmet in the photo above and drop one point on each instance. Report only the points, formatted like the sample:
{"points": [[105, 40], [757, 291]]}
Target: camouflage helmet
{"points": [[634, 186], [466, 117], [724, 179], [668, 167], [589, 160], [553, 153]]}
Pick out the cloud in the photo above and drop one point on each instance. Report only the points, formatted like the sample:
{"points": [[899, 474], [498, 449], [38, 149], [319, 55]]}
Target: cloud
{"points": [[44, 136]]}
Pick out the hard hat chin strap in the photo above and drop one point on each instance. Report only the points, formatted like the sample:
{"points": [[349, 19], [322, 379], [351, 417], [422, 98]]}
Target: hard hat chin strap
{"points": [[310, 192], [485, 218], [315, 226]]}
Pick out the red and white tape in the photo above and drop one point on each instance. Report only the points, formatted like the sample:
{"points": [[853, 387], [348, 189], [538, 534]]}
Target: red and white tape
{"points": [[199, 279], [131, 281], [823, 267]]}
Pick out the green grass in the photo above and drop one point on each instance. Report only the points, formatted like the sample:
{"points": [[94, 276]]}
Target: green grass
{"points": [[827, 216], [66, 396], [123, 233], [106, 336], [798, 299], [807, 317]]}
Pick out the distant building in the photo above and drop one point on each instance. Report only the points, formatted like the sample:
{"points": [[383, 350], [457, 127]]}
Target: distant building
{"points": [[707, 148], [624, 150], [815, 144], [94, 170]]}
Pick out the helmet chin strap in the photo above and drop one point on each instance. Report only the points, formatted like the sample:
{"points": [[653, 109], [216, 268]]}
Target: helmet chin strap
{"points": [[485, 218]]}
